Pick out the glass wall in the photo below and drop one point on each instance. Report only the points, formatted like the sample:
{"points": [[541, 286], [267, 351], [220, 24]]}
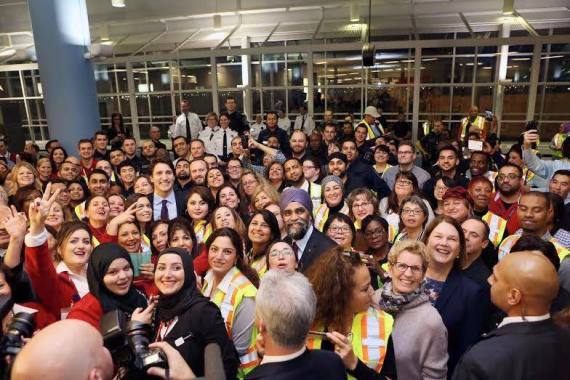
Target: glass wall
{"points": [[451, 79]]}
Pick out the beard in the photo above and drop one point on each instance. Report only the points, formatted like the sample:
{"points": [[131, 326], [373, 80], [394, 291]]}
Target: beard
{"points": [[183, 176], [510, 191], [298, 229]]}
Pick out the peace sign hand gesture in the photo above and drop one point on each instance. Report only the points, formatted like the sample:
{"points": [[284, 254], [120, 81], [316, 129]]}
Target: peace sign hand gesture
{"points": [[16, 224], [126, 216], [39, 210]]}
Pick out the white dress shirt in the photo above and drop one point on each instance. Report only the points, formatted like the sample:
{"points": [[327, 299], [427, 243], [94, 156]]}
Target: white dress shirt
{"points": [[255, 128], [519, 319], [179, 129], [304, 123], [217, 142], [283, 358], [207, 136], [170, 205], [302, 244], [285, 124]]}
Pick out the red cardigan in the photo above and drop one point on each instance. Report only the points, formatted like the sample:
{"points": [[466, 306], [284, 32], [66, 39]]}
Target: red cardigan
{"points": [[88, 309], [55, 291]]}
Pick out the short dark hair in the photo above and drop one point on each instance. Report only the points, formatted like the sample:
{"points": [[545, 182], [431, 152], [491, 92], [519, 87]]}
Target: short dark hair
{"points": [[564, 172], [509, 165], [101, 133], [230, 97], [129, 138], [102, 172], [161, 161], [540, 194], [124, 164], [85, 141], [179, 137], [346, 220], [447, 147], [485, 225], [535, 243], [272, 112], [48, 144]]}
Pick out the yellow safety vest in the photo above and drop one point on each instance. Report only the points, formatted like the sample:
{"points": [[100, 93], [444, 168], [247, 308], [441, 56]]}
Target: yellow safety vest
{"points": [[558, 140], [479, 123], [370, 332], [392, 232], [497, 226], [315, 192], [227, 296], [510, 241], [371, 134], [321, 214], [94, 241], [203, 230], [80, 211], [260, 265]]}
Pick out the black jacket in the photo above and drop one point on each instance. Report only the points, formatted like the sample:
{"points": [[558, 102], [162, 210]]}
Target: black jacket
{"points": [[311, 365], [199, 325], [317, 244], [361, 174], [180, 204], [238, 122], [281, 136], [464, 307], [519, 351]]}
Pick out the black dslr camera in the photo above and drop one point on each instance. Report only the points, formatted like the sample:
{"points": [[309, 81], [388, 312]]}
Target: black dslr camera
{"points": [[22, 326], [128, 343]]}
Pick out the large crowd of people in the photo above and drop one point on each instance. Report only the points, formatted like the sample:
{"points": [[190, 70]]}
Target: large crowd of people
{"points": [[313, 249]]}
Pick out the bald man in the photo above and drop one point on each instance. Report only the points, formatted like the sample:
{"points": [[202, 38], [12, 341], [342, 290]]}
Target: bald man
{"points": [[69, 349], [527, 344]]}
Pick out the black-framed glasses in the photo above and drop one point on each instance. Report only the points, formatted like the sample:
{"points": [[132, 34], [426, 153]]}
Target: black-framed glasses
{"points": [[402, 268]]}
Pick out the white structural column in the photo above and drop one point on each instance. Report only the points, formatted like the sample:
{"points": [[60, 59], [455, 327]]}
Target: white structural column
{"points": [[534, 73], [214, 74], [133, 102], [310, 86], [246, 80], [501, 75], [416, 100]]}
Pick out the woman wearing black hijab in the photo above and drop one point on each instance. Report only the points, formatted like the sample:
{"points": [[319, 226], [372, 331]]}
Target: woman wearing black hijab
{"points": [[185, 319], [110, 279]]}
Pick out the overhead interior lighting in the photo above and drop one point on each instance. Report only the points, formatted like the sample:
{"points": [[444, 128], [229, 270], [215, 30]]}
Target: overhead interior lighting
{"points": [[521, 59], [104, 32], [508, 7], [118, 3], [552, 57], [7, 53], [217, 22], [354, 13]]}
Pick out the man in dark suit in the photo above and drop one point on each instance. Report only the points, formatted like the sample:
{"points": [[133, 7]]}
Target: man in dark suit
{"points": [[285, 307], [527, 344], [308, 243], [166, 203]]}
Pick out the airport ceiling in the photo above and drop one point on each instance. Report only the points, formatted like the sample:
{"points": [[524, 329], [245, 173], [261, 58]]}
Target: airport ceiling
{"points": [[150, 26]]}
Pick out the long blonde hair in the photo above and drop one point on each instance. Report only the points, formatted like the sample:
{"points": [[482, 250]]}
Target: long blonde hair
{"points": [[14, 174]]}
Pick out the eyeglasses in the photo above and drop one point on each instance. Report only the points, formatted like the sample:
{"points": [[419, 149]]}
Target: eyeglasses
{"points": [[404, 182], [283, 252], [511, 177], [402, 268], [376, 232], [309, 167], [411, 211], [336, 229], [409, 152], [361, 205]]}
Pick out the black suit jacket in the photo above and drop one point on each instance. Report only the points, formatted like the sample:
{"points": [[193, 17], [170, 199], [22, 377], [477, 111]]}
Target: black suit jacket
{"points": [[361, 174], [519, 351], [317, 244], [311, 365], [180, 204], [464, 307]]}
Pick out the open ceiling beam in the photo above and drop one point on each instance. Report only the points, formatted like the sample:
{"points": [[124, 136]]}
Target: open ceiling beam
{"points": [[150, 42], [185, 41]]}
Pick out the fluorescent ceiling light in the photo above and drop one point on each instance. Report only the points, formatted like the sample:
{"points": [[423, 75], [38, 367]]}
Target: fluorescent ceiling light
{"points": [[118, 3], [262, 10], [7, 53]]}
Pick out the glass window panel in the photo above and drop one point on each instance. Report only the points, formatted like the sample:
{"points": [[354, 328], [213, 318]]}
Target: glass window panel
{"points": [[255, 74], [389, 99], [511, 130], [461, 99], [142, 105], [229, 71], [297, 69], [121, 73], [37, 110], [486, 69], [515, 102], [342, 67], [297, 98], [125, 105], [104, 79], [436, 70], [483, 98], [558, 67], [518, 68], [200, 102], [273, 74], [392, 67], [191, 78], [319, 100], [344, 100], [10, 86], [554, 101], [434, 100], [464, 69], [32, 82], [108, 105], [17, 111], [160, 105], [256, 101], [273, 100], [159, 79], [437, 51]]}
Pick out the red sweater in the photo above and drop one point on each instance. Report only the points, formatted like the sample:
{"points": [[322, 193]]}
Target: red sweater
{"points": [[88, 309], [54, 291]]}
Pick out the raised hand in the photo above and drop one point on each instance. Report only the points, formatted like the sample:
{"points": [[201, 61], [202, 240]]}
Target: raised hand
{"points": [[126, 216], [16, 224], [39, 210]]}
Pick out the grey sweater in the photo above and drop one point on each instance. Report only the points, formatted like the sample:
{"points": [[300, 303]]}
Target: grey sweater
{"points": [[420, 341]]}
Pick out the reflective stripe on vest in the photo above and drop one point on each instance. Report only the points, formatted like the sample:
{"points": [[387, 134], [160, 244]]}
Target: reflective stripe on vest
{"points": [[497, 226], [370, 332], [479, 123], [228, 301], [80, 211], [562, 251], [506, 245], [94, 241], [260, 265], [315, 194], [392, 232], [321, 215], [203, 230]]}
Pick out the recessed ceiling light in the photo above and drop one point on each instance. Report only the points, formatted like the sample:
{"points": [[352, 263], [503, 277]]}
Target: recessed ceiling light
{"points": [[118, 3]]}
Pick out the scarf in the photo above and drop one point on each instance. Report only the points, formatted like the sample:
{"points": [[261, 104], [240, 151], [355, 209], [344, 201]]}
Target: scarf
{"points": [[101, 259], [175, 304], [392, 302]]}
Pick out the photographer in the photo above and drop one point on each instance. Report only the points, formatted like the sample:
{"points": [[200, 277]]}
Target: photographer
{"points": [[185, 319], [110, 279]]}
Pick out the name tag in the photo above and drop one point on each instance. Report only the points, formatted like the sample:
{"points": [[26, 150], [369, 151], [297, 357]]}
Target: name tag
{"points": [[179, 342]]}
